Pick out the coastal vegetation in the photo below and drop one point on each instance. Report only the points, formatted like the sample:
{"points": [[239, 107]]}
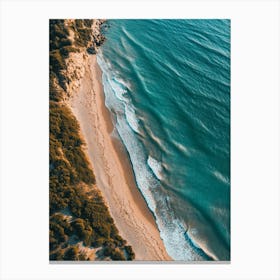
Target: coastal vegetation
{"points": [[79, 217]]}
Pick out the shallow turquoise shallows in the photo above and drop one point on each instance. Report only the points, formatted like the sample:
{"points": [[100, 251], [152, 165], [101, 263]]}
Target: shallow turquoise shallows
{"points": [[167, 85]]}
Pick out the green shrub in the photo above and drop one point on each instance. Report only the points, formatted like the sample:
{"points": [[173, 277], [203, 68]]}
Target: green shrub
{"points": [[88, 22], [82, 257], [79, 23], [108, 251], [130, 253], [71, 254], [57, 62], [79, 227], [117, 256], [65, 51], [64, 42], [57, 256], [69, 167], [98, 242]]}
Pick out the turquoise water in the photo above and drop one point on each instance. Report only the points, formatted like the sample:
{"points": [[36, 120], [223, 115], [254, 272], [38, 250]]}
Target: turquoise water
{"points": [[167, 85]]}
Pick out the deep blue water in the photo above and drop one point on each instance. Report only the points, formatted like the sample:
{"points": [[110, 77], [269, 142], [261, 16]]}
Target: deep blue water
{"points": [[167, 85]]}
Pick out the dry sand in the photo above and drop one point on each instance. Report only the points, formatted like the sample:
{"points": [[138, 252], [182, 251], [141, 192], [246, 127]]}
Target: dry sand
{"points": [[113, 170]]}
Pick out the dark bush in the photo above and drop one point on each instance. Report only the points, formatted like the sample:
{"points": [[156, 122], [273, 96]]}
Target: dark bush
{"points": [[130, 253], [64, 42], [88, 22], [98, 242], [57, 62], [82, 257], [65, 51], [57, 256], [91, 50], [71, 254], [108, 251], [79, 23], [117, 256]]}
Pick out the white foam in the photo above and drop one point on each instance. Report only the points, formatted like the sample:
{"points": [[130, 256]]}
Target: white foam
{"points": [[221, 177], [124, 84], [155, 166], [173, 234], [119, 89], [182, 148], [131, 118], [142, 175], [171, 229]]}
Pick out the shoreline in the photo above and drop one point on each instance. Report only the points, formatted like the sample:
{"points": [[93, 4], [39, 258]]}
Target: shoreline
{"points": [[113, 170]]}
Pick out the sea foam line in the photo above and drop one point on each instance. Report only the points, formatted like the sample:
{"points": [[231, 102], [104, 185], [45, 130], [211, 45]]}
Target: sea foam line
{"points": [[147, 171]]}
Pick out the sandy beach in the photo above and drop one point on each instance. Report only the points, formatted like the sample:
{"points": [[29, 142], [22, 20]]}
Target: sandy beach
{"points": [[113, 170]]}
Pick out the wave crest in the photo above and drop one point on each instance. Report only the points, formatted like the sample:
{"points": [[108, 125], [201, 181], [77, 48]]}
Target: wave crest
{"points": [[146, 168], [155, 166]]}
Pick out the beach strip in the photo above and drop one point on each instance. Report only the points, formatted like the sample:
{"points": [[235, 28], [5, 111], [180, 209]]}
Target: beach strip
{"points": [[113, 169]]}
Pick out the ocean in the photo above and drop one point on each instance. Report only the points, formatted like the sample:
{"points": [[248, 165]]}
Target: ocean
{"points": [[167, 86]]}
